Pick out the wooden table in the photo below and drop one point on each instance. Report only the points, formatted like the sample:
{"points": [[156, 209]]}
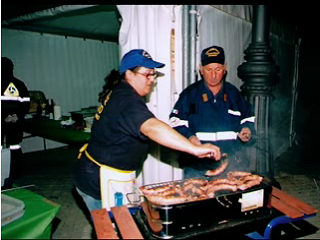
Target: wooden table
{"points": [[292, 209]]}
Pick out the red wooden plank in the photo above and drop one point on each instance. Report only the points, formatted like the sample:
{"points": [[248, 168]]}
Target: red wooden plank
{"points": [[286, 209], [103, 225], [294, 202], [125, 222]]}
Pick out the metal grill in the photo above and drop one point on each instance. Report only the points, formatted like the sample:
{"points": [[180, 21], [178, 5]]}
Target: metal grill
{"points": [[195, 216]]}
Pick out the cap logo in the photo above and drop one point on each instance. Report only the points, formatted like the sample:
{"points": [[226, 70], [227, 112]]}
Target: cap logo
{"points": [[212, 52], [145, 54]]}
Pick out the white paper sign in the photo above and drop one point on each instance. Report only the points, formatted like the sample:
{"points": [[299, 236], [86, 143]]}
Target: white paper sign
{"points": [[252, 200]]}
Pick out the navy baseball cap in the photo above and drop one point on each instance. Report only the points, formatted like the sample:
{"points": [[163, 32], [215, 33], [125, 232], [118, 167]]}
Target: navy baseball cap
{"points": [[213, 54], [138, 58]]}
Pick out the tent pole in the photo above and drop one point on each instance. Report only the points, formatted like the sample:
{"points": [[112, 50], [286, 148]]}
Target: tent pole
{"points": [[189, 31]]}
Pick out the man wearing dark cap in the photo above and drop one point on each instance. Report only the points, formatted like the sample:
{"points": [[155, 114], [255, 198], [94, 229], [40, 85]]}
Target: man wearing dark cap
{"points": [[120, 135], [212, 110], [15, 103]]}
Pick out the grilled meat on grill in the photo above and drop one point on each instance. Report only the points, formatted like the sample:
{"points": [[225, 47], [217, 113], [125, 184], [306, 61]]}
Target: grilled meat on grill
{"points": [[224, 164], [197, 189]]}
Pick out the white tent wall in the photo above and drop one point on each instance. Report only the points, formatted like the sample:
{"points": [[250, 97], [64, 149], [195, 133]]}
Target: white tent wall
{"points": [[69, 70], [149, 27]]}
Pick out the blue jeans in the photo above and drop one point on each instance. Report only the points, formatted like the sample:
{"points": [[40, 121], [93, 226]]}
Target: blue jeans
{"points": [[90, 202]]}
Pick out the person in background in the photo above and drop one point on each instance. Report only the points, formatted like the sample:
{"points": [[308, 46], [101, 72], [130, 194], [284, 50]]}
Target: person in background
{"points": [[120, 135], [15, 103], [212, 110]]}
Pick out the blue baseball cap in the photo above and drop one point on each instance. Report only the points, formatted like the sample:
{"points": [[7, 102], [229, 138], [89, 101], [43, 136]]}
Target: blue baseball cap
{"points": [[138, 58]]}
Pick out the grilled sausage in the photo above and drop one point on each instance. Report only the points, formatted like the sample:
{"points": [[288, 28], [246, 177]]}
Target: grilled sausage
{"points": [[234, 174], [212, 189], [166, 200], [249, 184], [155, 190], [223, 180], [195, 181], [219, 170], [250, 178]]}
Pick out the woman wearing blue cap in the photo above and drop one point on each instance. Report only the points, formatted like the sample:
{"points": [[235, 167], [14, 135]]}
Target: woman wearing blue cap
{"points": [[121, 131]]}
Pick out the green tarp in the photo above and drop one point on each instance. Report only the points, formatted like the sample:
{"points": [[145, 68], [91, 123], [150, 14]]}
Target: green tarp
{"points": [[37, 218], [51, 129]]}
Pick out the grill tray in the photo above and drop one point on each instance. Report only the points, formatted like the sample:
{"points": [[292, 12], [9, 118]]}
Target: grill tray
{"points": [[11, 209], [207, 213]]}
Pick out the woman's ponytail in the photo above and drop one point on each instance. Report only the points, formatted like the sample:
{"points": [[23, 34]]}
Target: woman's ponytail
{"points": [[111, 81]]}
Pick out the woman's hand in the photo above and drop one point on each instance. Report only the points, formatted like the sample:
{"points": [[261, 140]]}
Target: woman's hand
{"points": [[208, 150]]}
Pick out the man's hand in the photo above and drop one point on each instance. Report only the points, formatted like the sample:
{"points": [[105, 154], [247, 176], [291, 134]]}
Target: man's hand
{"points": [[245, 134]]}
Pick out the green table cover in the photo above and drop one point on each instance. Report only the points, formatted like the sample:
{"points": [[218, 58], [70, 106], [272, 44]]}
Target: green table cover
{"points": [[37, 218]]}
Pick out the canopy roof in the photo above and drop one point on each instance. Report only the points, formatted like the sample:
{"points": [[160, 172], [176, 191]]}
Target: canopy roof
{"points": [[101, 22]]}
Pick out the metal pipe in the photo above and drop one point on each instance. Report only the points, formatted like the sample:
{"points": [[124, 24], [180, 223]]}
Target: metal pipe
{"points": [[261, 19], [185, 46], [193, 43], [292, 133]]}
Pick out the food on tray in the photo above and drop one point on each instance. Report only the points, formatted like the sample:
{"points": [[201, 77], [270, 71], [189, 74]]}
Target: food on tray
{"points": [[198, 189]]}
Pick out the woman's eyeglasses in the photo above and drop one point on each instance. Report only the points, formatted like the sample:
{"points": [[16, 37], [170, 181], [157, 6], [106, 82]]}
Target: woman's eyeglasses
{"points": [[149, 75]]}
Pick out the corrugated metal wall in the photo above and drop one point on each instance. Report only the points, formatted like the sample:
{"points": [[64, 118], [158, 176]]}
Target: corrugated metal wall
{"points": [[69, 70]]}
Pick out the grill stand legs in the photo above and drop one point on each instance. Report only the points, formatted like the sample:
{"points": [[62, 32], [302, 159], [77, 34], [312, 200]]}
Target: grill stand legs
{"points": [[274, 223]]}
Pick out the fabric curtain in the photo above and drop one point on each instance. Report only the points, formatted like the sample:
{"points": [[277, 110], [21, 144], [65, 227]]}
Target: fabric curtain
{"points": [[232, 33], [153, 28]]}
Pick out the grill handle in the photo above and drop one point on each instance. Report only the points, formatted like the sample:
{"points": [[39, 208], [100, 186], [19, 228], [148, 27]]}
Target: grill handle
{"points": [[134, 198]]}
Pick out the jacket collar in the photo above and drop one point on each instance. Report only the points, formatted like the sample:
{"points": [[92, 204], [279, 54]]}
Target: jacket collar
{"points": [[205, 89]]}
